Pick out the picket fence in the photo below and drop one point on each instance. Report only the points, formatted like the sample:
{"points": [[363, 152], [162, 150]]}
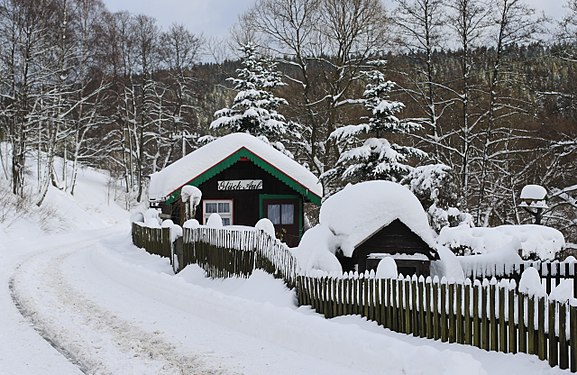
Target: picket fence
{"points": [[233, 253], [552, 273], [490, 315]]}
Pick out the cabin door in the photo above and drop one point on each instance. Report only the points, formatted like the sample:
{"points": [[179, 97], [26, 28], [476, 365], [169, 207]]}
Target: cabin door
{"points": [[285, 214]]}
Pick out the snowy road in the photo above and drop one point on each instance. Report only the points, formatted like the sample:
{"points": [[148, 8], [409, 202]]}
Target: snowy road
{"points": [[112, 309]]}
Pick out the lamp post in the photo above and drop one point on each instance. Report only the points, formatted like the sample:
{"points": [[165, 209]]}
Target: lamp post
{"points": [[534, 201]]}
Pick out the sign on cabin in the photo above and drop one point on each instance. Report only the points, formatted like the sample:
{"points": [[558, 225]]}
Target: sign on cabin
{"points": [[240, 185], [243, 180]]}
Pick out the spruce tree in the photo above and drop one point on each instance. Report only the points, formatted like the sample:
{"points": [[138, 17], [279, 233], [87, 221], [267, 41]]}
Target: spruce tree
{"points": [[367, 154], [254, 109]]}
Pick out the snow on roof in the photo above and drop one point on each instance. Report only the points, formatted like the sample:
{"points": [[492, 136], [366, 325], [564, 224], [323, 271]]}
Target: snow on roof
{"points": [[179, 173], [358, 211], [539, 240]]}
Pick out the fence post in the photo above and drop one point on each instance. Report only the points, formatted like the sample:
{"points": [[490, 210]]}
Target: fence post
{"points": [[573, 336], [552, 337], [563, 347]]}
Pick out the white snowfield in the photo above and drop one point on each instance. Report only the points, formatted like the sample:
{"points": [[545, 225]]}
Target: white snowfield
{"points": [[110, 308], [88, 301]]}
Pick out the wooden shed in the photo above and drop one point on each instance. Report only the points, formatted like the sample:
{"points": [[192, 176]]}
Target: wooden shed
{"points": [[412, 255], [377, 219], [242, 179]]}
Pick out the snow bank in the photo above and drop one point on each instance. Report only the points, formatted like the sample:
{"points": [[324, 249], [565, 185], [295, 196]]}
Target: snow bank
{"points": [[532, 241], [360, 210], [316, 252], [171, 178], [447, 266]]}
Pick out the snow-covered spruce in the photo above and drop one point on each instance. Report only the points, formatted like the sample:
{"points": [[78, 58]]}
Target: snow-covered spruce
{"points": [[254, 109], [367, 155]]}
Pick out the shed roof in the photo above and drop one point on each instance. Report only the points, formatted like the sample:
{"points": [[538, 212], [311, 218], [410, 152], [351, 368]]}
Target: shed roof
{"points": [[211, 159], [359, 211]]}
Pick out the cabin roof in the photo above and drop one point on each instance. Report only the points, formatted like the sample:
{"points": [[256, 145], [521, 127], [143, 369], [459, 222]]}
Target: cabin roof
{"points": [[213, 158]]}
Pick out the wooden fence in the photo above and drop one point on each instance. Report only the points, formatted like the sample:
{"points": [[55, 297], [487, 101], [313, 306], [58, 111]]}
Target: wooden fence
{"points": [[552, 273], [488, 316], [154, 240], [228, 253]]}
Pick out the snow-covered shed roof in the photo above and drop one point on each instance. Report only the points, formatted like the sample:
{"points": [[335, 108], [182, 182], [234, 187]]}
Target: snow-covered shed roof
{"points": [[359, 211], [204, 163]]}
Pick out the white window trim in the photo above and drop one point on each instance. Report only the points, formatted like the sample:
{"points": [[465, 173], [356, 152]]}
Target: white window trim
{"points": [[228, 215]]}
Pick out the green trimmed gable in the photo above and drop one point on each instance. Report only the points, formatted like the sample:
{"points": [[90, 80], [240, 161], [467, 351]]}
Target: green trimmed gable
{"points": [[258, 161]]}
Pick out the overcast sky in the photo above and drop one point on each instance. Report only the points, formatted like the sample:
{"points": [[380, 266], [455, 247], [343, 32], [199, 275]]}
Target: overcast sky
{"points": [[215, 17]]}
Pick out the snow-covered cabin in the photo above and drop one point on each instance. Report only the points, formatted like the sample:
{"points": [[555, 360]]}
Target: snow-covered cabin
{"points": [[243, 179], [375, 219]]}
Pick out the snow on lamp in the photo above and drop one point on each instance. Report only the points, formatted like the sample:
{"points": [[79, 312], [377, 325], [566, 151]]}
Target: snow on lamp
{"points": [[534, 200]]}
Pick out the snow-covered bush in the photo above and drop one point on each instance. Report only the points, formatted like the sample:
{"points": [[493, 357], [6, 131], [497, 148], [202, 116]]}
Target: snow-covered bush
{"points": [[152, 218], [137, 217], [434, 187], [316, 252], [531, 242]]}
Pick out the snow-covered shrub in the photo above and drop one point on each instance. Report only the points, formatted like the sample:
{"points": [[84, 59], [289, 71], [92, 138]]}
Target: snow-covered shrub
{"points": [[447, 266], [137, 217], [316, 252], [434, 187], [152, 218], [531, 242]]}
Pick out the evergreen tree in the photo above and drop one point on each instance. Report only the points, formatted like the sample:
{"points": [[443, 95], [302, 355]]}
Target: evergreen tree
{"points": [[368, 155], [254, 109]]}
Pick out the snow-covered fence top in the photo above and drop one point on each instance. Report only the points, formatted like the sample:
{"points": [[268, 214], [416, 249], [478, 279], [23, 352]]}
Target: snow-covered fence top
{"points": [[223, 252]]}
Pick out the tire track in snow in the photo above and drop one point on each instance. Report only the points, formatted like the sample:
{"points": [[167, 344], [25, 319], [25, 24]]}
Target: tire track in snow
{"points": [[93, 338]]}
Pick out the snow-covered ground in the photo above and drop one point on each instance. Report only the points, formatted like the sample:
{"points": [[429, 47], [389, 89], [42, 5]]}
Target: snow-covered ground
{"points": [[85, 300]]}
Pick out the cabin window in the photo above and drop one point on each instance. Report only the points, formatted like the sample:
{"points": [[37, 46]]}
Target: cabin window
{"points": [[281, 214], [221, 207]]}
